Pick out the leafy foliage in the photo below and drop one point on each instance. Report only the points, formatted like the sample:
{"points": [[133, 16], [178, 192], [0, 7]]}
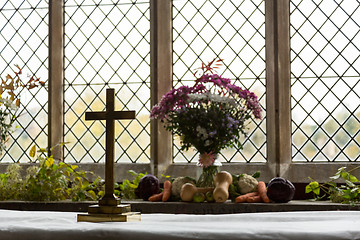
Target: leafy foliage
{"points": [[54, 180], [11, 183], [51, 180], [346, 192], [127, 188]]}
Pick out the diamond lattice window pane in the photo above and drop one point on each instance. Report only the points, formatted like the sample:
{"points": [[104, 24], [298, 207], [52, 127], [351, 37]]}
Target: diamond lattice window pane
{"points": [[325, 41], [233, 31], [107, 45], [23, 41]]}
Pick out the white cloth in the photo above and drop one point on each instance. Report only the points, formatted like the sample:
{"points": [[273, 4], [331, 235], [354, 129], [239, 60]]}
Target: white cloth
{"points": [[36, 225]]}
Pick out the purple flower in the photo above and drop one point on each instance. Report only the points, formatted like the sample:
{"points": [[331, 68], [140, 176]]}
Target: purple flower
{"points": [[212, 134]]}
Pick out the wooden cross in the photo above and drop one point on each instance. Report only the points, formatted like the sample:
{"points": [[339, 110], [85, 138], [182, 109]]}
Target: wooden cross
{"points": [[110, 115]]}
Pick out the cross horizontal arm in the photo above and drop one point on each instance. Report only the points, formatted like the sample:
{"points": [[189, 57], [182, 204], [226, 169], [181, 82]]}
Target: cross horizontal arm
{"points": [[114, 115]]}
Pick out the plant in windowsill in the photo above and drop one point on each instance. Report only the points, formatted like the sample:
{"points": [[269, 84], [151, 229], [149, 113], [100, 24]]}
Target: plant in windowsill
{"points": [[50, 180], [347, 191], [209, 116], [10, 90]]}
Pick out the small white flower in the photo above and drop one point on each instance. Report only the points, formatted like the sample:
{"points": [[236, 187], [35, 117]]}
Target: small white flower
{"points": [[202, 133], [213, 98], [8, 103], [204, 136], [196, 97], [200, 130]]}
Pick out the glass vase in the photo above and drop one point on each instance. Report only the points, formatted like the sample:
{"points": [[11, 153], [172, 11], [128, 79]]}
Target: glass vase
{"points": [[206, 178]]}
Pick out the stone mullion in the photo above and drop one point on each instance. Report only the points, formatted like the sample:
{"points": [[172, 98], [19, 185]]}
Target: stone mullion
{"points": [[161, 79], [278, 85], [56, 77]]}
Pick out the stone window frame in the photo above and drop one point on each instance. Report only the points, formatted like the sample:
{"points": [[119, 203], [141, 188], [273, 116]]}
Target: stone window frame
{"points": [[278, 96]]}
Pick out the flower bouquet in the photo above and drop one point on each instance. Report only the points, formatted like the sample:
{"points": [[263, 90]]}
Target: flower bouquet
{"points": [[209, 116]]}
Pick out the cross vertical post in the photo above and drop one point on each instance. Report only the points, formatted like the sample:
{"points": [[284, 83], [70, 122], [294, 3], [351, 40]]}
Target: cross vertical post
{"points": [[109, 198]]}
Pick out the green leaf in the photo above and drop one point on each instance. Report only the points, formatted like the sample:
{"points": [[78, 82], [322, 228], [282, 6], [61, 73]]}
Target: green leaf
{"points": [[49, 161], [85, 183], [132, 172], [347, 194], [66, 173], [63, 143], [332, 184], [101, 194], [345, 175], [256, 175], [78, 179], [313, 187], [340, 170], [126, 182], [336, 176], [62, 165], [355, 191], [165, 176], [352, 178], [42, 150], [32, 151], [133, 185], [92, 194], [350, 184], [69, 168]]}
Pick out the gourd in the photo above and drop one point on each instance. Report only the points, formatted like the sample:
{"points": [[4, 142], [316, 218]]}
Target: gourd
{"points": [[178, 183], [222, 181], [188, 191]]}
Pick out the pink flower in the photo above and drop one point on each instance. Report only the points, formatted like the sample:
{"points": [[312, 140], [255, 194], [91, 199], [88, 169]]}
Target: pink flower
{"points": [[207, 159], [213, 78]]}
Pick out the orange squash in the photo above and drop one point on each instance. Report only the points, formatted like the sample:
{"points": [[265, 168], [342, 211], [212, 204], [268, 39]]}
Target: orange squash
{"points": [[222, 182], [187, 192]]}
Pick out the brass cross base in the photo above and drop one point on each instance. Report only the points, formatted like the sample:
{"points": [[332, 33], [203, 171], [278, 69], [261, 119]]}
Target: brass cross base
{"points": [[110, 213]]}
